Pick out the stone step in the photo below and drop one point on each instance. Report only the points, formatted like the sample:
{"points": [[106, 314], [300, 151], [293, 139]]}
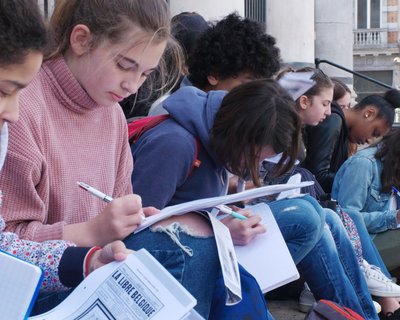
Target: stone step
{"points": [[285, 309]]}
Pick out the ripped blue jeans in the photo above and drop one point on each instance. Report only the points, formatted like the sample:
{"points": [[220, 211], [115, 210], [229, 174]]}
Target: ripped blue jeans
{"points": [[300, 224], [193, 261]]}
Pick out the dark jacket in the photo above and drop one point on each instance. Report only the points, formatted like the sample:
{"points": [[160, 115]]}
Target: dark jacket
{"points": [[327, 147]]}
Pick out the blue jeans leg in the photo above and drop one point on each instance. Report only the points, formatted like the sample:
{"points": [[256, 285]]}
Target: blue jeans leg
{"points": [[370, 252], [197, 273], [350, 268], [300, 223]]}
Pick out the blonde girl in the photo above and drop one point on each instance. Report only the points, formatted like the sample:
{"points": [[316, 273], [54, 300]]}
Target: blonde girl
{"points": [[72, 129]]}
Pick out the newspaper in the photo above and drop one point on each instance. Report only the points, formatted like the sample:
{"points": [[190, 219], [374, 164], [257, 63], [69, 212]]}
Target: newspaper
{"points": [[228, 261], [136, 288]]}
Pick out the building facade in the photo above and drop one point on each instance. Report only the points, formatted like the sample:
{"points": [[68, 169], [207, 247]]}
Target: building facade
{"points": [[360, 35], [376, 44]]}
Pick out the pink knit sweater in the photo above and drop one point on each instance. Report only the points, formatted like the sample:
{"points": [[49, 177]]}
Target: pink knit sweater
{"points": [[62, 137]]}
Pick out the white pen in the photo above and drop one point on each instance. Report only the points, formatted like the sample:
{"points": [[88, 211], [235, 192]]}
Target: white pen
{"points": [[225, 209], [95, 192]]}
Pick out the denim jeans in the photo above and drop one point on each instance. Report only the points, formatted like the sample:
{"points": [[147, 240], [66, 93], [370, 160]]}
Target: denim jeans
{"points": [[47, 301], [330, 267], [201, 275], [350, 264], [339, 278], [370, 252], [300, 224], [197, 273]]}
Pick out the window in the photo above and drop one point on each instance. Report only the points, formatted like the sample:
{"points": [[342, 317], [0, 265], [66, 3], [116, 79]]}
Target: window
{"points": [[375, 13], [368, 14], [255, 10]]}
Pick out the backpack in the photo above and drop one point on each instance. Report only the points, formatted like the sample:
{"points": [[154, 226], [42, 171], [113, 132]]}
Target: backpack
{"points": [[329, 310], [137, 127]]}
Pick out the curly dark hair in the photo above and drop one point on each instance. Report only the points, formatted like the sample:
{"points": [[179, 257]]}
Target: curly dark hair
{"points": [[22, 30], [232, 46]]}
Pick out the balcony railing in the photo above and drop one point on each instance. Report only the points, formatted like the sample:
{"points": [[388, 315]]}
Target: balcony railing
{"points": [[370, 38], [358, 74]]}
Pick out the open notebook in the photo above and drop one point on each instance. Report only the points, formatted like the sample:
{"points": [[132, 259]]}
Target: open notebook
{"points": [[208, 203], [267, 257], [19, 285]]}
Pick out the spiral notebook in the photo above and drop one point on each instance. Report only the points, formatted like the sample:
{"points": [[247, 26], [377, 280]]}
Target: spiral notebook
{"points": [[19, 285]]}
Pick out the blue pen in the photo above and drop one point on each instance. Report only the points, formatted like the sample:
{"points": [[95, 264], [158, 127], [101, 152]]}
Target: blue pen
{"points": [[225, 209], [396, 191]]}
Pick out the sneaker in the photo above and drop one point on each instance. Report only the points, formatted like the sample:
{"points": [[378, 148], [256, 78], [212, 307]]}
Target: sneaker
{"points": [[306, 299], [390, 315], [378, 284]]}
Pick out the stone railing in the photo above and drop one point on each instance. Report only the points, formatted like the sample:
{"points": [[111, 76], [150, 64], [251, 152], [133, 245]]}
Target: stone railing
{"points": [[370, 38]]}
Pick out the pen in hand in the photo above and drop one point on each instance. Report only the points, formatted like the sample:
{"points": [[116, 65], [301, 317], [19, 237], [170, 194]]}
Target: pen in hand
{"points": [[100, 194], [95, 192], [225, 209]]}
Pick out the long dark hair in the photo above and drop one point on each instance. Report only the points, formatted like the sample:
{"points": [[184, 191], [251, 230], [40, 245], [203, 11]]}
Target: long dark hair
{"points": [[389, 154], [22, 31], [254, 115]]}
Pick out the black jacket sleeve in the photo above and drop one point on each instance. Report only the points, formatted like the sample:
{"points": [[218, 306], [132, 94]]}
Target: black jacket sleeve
{"points": [[70, 269], [321, 143]]}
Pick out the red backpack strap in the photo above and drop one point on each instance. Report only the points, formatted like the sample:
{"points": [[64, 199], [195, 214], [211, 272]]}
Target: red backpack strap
{"points": [[137, 127], [196, 162]]}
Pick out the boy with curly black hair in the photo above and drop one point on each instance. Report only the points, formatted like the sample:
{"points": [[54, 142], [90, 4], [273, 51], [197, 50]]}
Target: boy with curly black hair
{"points": [[233, 51]]}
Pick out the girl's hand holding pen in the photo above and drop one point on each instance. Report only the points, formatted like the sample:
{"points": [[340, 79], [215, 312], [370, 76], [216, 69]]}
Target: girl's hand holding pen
{"points": [[243, 231], [117, 220]]}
